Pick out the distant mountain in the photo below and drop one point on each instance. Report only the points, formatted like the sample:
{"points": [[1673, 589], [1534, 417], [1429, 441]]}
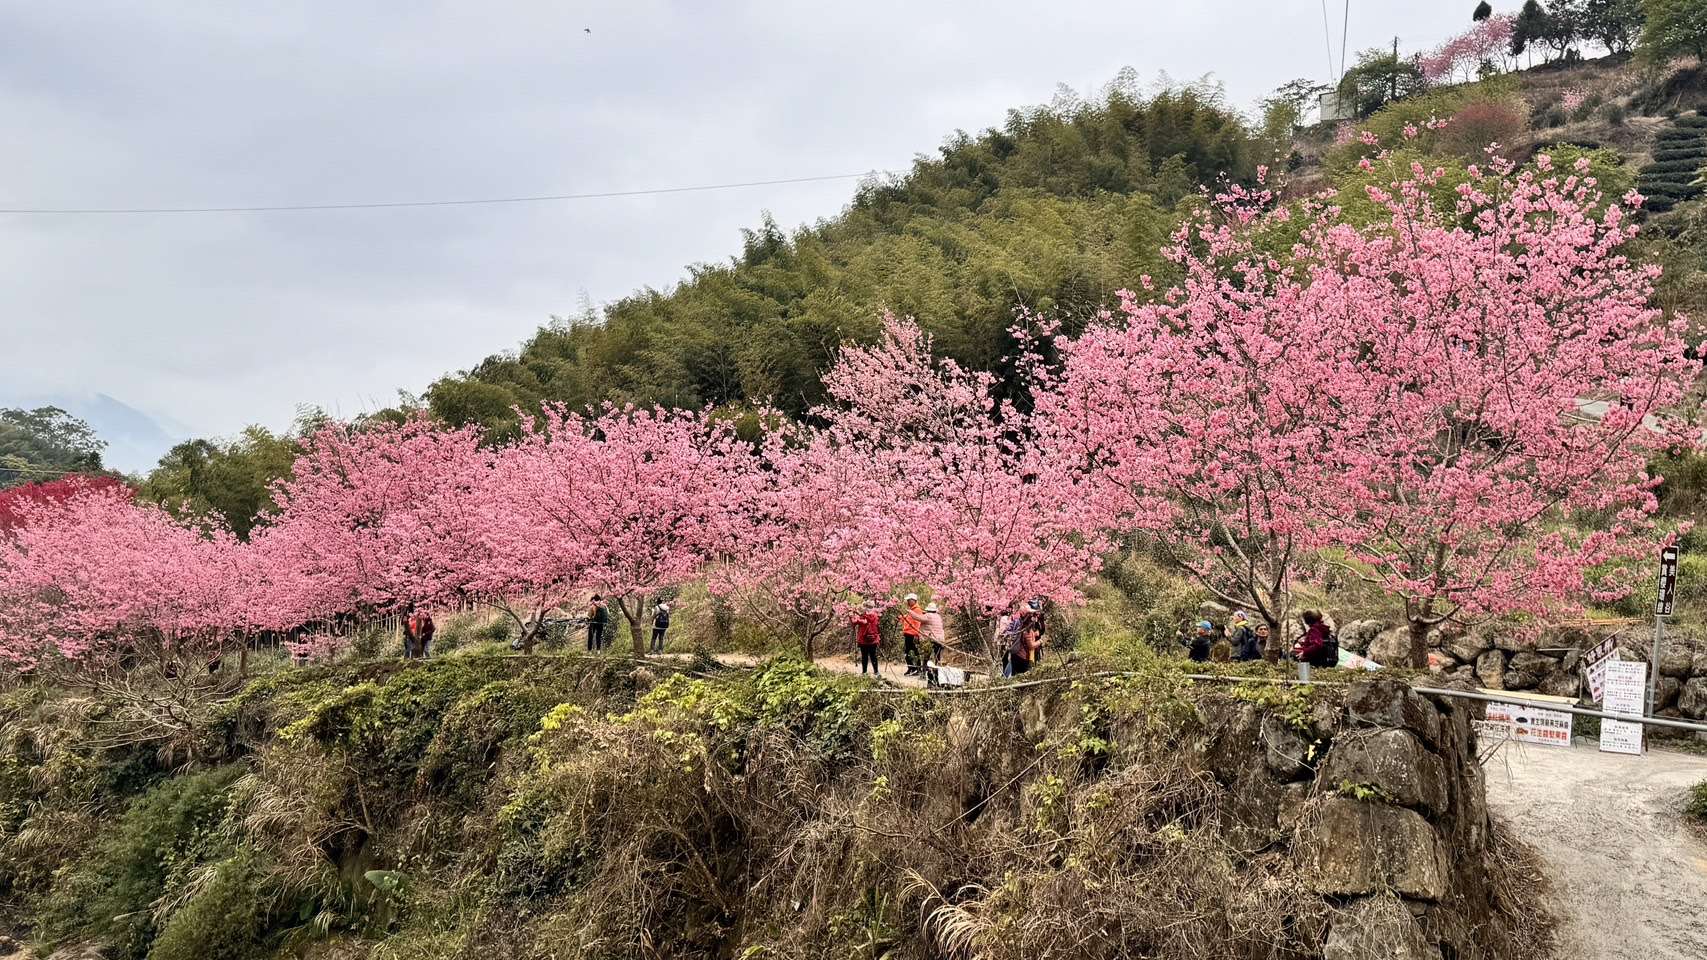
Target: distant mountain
{"points": [[135, 440]]}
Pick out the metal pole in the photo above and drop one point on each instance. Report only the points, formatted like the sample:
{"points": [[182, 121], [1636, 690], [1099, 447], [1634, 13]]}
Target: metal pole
{"points": [[1654, 663], [1579, 711]]}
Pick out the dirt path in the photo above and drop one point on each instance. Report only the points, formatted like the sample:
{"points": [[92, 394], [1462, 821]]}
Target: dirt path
{"points": [[1630, 880], [895, 673]]}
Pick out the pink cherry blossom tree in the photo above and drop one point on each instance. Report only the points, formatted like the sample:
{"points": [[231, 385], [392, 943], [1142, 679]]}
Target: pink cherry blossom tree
{"points": [[1207, 417], [800, 556], [97, 579], [632, 501], [1464, 55], [952, 489], [1514, 380], [373, 519]]}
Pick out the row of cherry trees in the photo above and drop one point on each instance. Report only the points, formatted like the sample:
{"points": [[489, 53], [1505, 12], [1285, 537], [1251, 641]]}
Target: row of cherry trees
{"points": [[1455, 403]]}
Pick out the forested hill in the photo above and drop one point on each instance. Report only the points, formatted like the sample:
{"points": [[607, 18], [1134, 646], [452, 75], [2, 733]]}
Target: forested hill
{"points": [[1054, 211]]}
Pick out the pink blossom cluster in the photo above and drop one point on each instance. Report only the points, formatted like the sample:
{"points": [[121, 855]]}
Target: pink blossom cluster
{"points": [[1462, 56], [1572, 98]]}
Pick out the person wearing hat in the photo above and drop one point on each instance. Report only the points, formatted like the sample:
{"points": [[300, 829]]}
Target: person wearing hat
{"points": [[931, 624], [1201, 640], [1243, 637], [912, 629], [660, 624]]}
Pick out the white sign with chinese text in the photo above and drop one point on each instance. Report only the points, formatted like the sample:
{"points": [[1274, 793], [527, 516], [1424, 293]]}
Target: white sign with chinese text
{"points": [[1526, 724], [1626, 689]]}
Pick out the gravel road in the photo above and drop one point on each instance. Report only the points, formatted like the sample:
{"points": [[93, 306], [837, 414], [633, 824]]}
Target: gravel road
{"points": [[1630, 879]]}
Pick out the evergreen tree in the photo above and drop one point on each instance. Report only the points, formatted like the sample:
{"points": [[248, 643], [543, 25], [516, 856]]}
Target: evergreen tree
{"points": [[1674, 28], [1614, 24]]}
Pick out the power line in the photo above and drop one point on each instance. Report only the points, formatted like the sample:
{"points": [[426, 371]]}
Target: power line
{"points": [[1345, 32], [387, 205], [1328, 39]]}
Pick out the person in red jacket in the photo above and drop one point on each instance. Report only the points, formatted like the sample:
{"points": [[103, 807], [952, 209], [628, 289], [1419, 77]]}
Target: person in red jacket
{"points": [[1317, 646], [867, 637]]}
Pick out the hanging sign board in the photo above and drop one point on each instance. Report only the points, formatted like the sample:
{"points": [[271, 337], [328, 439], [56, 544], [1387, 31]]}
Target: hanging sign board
{"points": [[1597, 673], [1525, 724]]}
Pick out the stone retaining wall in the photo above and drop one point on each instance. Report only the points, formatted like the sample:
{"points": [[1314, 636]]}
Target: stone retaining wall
{"points": [[1382, 802], [1499, 658]]}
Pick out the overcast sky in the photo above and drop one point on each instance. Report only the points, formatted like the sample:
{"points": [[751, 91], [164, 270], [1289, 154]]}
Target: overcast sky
{"points": [[220, 320]]}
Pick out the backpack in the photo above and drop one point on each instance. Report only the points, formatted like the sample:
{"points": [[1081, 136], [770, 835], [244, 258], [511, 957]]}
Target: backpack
{"points": [[1330, 655]]}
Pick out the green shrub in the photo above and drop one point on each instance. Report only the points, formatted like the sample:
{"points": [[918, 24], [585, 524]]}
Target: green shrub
{"points": [[1693, 151], [1606, 165], [1692, 578], [369, 643], [1689, 166], [1695, 807], [1554, 117], [159, 843], [465, 745], [1616, 114], [227, 918]]}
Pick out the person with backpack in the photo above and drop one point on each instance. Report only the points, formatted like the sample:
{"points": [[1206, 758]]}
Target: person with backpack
{"points": [[660, 624], [868, 637], [1243, 637], [1198, 643], [598, 618], [1317, 647]]}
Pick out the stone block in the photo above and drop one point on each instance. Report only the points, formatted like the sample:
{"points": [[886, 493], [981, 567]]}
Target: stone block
{"points": [[1468, 646], [1286, 751], [1490, 670], [1391, 648], [1676, 660], [1692, 700], [1357, 635], [1377, 928], [1352, 848], [1525, 671], [1390, 703], [1394, 762]]}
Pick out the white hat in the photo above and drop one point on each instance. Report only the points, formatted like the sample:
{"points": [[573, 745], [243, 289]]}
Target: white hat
{"points": [[912, 596], [931, 607]]}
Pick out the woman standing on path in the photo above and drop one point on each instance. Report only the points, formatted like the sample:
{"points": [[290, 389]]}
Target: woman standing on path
{"points": [[867, 638]]}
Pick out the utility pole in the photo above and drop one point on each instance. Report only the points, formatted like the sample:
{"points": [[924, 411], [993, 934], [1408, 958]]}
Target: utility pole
{"points": [[1393, 78]]}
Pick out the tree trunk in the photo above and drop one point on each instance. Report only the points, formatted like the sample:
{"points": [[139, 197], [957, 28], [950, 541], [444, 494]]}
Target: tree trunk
{"points": [[1275, 649], [1419, 630], [530, 635], [633, 618]]}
